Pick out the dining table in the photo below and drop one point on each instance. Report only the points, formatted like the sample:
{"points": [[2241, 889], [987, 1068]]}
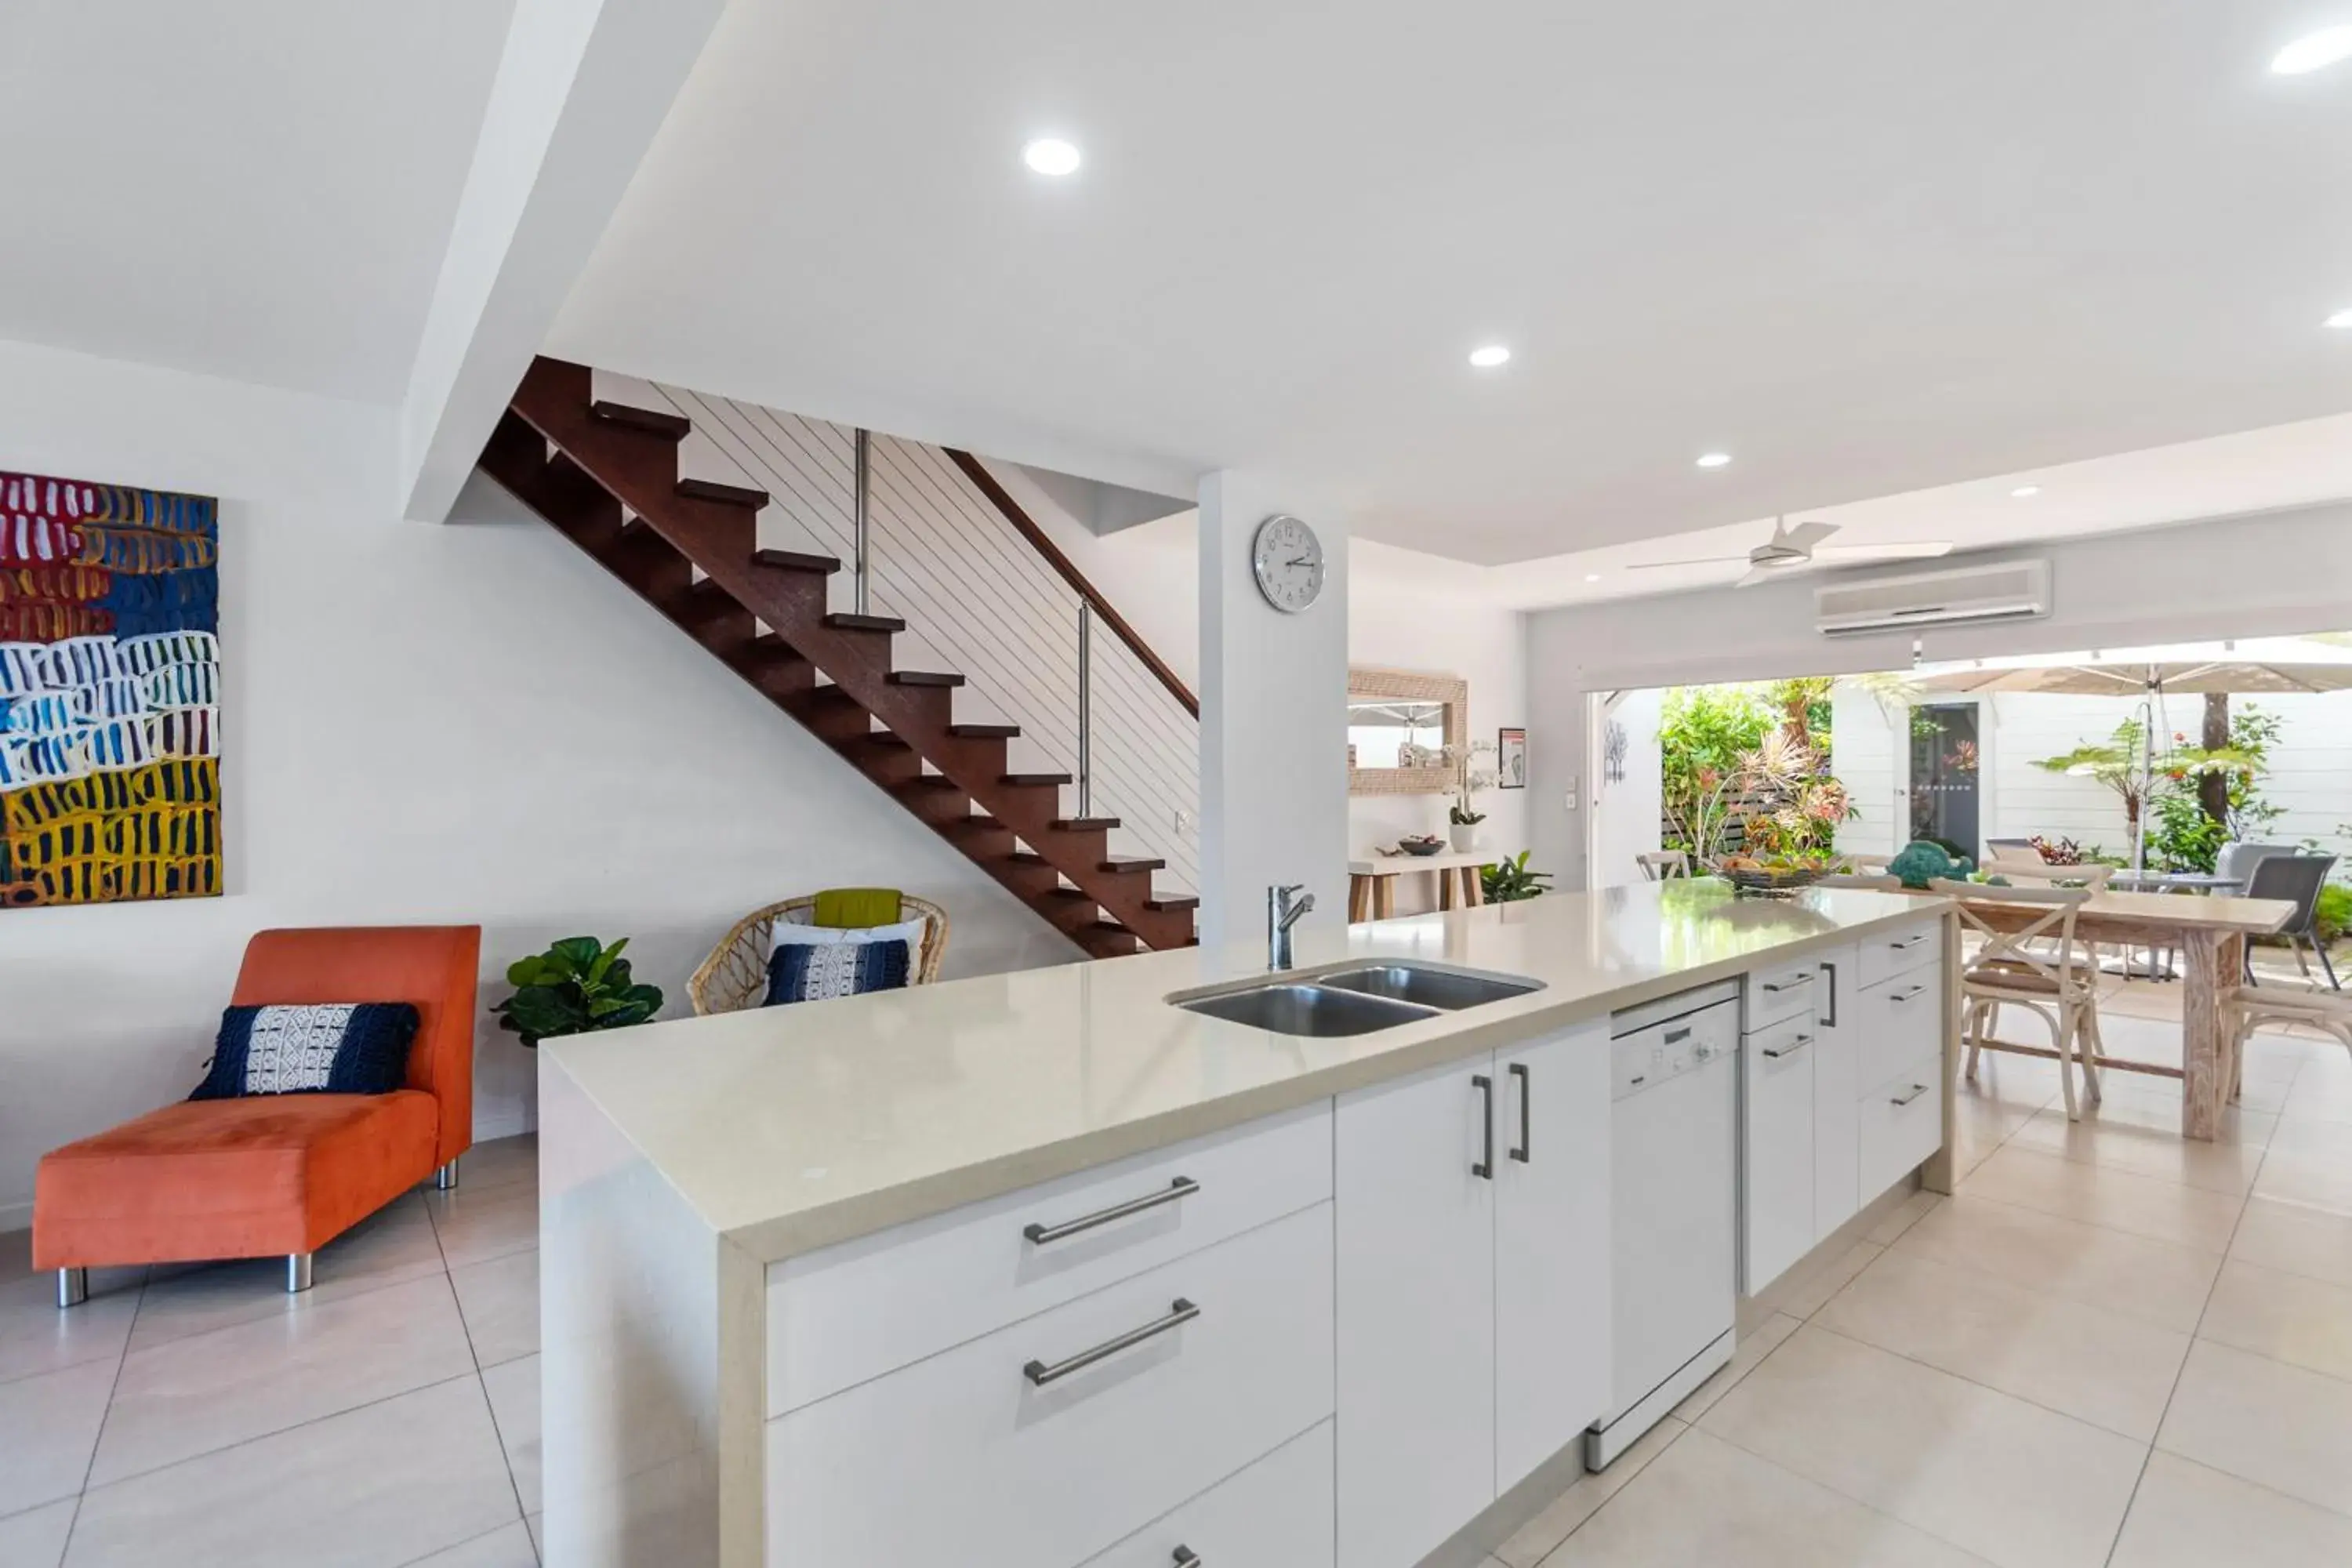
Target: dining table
{"points": [[2211, 934]]}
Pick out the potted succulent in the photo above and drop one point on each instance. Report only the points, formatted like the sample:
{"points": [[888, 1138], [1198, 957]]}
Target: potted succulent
{"points": [[1463, 817], [577, 987]]}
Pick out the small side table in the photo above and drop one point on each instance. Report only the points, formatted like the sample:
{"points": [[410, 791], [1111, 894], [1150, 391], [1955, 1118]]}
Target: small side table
{"points": [[1371, 884]]}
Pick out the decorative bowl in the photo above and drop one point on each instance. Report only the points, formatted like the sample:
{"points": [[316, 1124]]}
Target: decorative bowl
{"points": [[1761, 879], [1421, 845]]}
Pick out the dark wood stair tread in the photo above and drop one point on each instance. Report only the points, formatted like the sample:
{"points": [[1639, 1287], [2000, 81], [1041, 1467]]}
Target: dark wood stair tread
{"points": [[653, 421], [849, 623], [733, 495], [1127, 865], [1168, 902], [1085, 823], [984, 732], [924, 678], [795, 561], [1032, 780]]}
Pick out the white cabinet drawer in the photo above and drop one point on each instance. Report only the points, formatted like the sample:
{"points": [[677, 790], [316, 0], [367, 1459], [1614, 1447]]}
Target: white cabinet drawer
{"points": [[1897, 1019], [1776, 1189], [1782, 991], [1901, 951], [1901, 1122], [966, 1458], [845, 1314], [1275, 1514]]}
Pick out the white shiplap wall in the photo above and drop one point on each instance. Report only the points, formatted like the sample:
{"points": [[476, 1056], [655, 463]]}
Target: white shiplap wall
{"points": [[976, 598]]}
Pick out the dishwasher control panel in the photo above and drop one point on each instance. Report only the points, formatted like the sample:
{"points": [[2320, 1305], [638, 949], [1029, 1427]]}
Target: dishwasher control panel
{"points": [[1655, 1052]]}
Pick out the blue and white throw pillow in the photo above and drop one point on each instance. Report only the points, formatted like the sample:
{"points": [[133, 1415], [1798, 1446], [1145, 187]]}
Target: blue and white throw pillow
{"points": [[327, 1048], [813, 970]]}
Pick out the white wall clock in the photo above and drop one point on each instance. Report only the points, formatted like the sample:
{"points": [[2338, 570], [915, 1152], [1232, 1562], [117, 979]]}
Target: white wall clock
{"points": [[1288, 561]]}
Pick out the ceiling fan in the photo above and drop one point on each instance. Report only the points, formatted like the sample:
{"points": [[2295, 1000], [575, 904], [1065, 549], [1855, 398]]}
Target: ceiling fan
{"points": [[1793, 549]]}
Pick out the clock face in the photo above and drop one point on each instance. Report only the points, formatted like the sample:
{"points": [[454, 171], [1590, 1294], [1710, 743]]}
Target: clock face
{"points": [[1288, 561]]}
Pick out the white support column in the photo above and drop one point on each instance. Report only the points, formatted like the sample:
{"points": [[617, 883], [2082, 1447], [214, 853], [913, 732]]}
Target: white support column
{"points": [[581, 88], [1274, 719]]}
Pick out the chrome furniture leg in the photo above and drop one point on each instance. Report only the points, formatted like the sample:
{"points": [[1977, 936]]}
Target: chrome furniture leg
{"points": [[445, 1178], [73, 1288], [297, 1272]]}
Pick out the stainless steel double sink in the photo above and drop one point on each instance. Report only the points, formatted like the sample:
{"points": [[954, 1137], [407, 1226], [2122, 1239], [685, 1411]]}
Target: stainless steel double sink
{"points": [[1357, 999]]}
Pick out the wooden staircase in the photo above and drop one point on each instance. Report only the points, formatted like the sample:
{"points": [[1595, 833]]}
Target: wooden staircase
{"points": [[606, 477]]}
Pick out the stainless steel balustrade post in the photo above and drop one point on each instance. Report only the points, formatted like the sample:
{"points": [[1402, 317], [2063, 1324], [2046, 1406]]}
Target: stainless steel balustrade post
{"points": [[1085, 708], [864, 559]]}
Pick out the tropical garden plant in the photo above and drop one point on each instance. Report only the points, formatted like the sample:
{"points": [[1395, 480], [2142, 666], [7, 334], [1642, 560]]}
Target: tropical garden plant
{"points": [[1750, 762]]}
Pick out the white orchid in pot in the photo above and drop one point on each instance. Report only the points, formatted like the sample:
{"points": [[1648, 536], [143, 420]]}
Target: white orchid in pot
{"points": [[1463, 817]]}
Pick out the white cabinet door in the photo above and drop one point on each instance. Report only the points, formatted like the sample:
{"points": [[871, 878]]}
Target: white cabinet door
{"points": [[1837, 1085], [1415, 1299], [1551, 1247], [1775, 1206]]}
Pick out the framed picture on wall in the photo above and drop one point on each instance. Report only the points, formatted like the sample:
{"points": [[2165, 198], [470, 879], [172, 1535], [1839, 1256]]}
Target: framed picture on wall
{"points": [[1511, 759]]}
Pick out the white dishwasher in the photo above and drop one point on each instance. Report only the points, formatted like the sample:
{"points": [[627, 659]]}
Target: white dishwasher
{"points": [[1674, 1207]]}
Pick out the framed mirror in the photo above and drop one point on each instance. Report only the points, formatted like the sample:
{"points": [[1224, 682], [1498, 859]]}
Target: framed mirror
{"points": [[1399, 725]]}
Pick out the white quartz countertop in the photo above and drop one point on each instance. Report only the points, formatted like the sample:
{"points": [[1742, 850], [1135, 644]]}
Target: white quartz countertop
{"points": [[788, 1129]]}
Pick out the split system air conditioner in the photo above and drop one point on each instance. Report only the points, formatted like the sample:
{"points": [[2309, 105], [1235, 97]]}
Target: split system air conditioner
{"points": [[2010, 591]]}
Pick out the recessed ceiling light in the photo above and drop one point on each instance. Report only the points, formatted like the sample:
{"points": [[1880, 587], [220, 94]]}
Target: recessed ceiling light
{"points": [[2317, 52], [1491, 356], [2341, 320], [1714, 460], [1051, 155], [2024, 491], [1592, 576]]}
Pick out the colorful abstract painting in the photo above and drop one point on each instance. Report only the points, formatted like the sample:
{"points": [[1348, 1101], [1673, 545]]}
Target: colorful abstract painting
{"points": [[109, 693]]}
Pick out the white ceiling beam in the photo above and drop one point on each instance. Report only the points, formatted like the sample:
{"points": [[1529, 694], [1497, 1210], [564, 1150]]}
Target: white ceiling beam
{"points": [[582, 88]]}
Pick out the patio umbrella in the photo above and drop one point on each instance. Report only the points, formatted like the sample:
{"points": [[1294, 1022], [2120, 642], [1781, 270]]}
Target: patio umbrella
{"points": [[2149, 680]]}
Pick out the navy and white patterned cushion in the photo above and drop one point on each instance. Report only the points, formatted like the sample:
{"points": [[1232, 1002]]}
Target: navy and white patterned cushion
{"points": [[811, 972], [326, 1047]]}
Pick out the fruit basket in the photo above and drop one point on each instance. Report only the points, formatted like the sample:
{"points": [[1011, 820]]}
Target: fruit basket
{"points": [[1756, 876]]}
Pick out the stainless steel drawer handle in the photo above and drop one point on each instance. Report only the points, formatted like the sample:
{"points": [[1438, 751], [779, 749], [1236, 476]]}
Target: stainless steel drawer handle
{"points": [[1776, 987], [1181, 1187], [1791, 1049], [1187, 1558], [1675, 1035], [1179, 1311], [1917, 1090], [1911, 996], [1908, 943]]}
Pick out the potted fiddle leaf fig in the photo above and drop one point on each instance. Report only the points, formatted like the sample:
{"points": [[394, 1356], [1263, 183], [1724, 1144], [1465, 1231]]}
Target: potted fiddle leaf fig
{"points": [[577, 987]]}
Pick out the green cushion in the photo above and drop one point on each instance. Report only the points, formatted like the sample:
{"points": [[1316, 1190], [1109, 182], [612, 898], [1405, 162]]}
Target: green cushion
{"points": [[854, 909]]}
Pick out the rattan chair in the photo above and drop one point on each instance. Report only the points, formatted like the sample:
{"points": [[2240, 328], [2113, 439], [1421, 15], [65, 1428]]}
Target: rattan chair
{"points": [[735, 976]]}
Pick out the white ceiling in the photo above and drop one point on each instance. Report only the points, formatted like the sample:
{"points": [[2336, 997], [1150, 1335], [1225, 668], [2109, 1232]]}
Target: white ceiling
{"points": [[1870, 250], [260, 190]]}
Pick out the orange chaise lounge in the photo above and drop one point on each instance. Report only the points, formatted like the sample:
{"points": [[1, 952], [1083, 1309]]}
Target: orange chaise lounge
{"points": [[284, 1173]]}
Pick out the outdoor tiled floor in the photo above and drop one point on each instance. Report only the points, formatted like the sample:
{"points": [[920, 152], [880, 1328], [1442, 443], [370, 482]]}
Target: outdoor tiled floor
{"points": [[2110, 1347]]}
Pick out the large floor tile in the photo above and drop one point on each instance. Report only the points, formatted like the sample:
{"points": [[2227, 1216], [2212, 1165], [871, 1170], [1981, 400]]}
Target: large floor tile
{"points": [[2323, 1183], [2146, 1141], [513, 1388], [1745, 1357], [480, 1223], [509, 1546], [36, 1538], [392, 1246], [2187, 1516], [1706, 1502], [2096, 1365], [1534, 1541], [2152, 1280], [2284, 1316], [373, 1488], [2265, 1422], [2102, 1195], [49, 1426], [1916, 1207], [499, 1162], [1811, 1292], [191, 1395], [2310, 1242], [499, 1299], [2321, 1142], [36, 1337], [2017, 1485]]}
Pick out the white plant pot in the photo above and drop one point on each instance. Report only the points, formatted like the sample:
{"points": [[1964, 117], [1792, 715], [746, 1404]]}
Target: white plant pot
{"points": [[1464, 835]]}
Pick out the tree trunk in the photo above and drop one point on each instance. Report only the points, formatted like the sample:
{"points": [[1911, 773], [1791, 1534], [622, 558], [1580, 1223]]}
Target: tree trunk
{"points": [[2213, 788]]}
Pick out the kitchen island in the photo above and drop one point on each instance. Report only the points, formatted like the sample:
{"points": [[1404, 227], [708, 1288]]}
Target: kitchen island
{"points": [[860, 1283]]}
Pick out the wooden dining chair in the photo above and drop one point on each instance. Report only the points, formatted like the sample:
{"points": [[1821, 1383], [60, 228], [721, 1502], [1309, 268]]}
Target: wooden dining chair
{"points": [[1660, 864], [1857, 880], [2055, 984]]}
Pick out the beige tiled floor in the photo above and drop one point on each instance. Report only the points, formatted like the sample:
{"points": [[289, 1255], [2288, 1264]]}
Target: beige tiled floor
{"points": [[194, 1416], [2109, 1348]]}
